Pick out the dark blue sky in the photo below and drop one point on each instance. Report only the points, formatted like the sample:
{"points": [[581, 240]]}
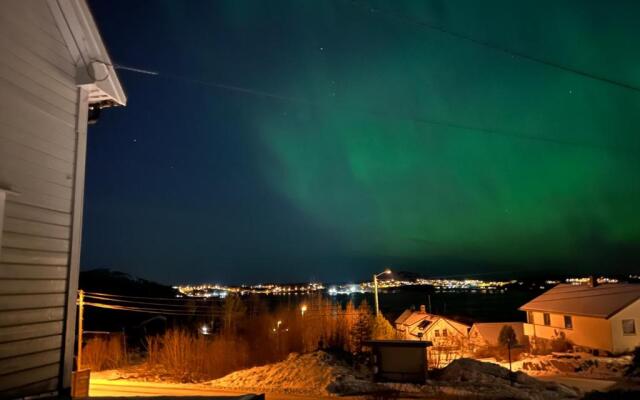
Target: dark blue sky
{"points": [[194, 183]]}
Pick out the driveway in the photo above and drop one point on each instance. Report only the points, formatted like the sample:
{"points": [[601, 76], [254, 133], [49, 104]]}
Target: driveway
{"points": [[125, 388], [584, 384]]}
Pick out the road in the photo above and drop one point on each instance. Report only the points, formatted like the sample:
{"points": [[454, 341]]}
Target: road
{"points": [[114, 388], [584, 384], [124, 388]]}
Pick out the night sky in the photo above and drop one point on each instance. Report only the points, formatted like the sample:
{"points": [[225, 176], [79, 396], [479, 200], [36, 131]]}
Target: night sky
{"points": [[384, 143]]}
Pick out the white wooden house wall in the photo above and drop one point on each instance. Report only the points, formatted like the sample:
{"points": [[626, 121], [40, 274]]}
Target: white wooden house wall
{"points": [[43, 112]]}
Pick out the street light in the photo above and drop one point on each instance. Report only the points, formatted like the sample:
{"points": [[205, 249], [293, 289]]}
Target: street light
{"points": [[375, 287]]}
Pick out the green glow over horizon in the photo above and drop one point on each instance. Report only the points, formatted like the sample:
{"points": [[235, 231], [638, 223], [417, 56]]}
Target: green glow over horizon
{"points": [[359, 165]]}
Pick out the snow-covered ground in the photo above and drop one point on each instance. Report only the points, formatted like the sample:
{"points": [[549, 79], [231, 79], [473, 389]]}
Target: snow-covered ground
{"points": [[581, 365], [322, 374], [313, 373], [135, 373]]}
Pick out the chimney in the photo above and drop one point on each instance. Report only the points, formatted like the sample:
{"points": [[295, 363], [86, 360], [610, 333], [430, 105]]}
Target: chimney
{"points": [[593, 281], [423, 309]]}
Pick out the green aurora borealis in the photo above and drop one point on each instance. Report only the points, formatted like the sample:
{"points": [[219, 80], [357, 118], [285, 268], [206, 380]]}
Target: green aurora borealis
{"points": [[360, 165], [331, 143]]}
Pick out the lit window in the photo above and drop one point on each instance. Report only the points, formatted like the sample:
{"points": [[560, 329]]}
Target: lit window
{"points": [[437, 333], [547, 319], [568, 322], [628, 326]]}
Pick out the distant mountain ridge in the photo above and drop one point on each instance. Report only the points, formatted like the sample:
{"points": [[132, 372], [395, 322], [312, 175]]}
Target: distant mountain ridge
{"points": [[104, 280]]}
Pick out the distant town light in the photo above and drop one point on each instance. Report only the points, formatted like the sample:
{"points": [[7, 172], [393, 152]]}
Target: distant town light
{"points": [[447, 285]]}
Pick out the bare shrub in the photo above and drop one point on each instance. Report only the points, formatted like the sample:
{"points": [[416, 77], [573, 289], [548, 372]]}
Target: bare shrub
{"points": [[633, 370], [103, 353], [560, 344], [189, 358], [507, 336], [444, 351], [249, 328]]}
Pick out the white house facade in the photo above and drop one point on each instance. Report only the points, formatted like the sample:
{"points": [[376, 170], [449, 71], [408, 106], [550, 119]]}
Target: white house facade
{"points": [[599, 317], [54, 73]]}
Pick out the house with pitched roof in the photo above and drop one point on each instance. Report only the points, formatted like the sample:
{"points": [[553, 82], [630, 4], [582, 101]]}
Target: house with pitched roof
{"points": [[411, 323], [420, 325], [448, 338], [599, 317]]}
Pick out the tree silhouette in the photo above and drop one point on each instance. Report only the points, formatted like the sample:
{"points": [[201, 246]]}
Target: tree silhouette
{"points": [[507, 336]]}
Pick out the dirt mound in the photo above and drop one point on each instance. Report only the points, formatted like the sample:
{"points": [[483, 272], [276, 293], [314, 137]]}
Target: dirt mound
{"points": [[317, 373]]}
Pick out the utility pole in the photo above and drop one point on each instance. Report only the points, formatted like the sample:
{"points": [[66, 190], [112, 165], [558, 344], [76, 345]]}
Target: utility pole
{"points": [[375, 291], [510, 369], [80, 317], [375, 287], [124, 345]]}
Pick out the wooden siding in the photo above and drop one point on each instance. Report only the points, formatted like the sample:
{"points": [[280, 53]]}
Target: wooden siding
{"points": [[38, 141]]}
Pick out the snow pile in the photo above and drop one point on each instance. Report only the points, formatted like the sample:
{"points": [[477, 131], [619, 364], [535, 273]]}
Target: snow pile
{"points": [[321, 374], [317, 373], [578, 364], [467, 376]]}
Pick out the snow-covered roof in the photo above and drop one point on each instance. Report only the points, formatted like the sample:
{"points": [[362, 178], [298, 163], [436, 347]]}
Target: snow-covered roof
{"points": [[403, 317], [602, 301], [418, 316], [411, 318], [490, 331]]}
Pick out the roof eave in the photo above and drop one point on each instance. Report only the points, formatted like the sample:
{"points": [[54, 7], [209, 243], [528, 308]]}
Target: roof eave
{"points": [[613, 313], [95, 71], [565, 312]]}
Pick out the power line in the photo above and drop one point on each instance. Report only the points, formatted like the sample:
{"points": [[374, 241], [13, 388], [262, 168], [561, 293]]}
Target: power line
{"points": [[149, 298], [496, 47], [217, 85], [184, 306], [160, 308], [219, 313], [148, 310], [376, 113]]}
